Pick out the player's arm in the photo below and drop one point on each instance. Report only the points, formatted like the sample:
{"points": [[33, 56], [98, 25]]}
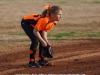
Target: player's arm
{"points": [[37, 34], [44, 36]]}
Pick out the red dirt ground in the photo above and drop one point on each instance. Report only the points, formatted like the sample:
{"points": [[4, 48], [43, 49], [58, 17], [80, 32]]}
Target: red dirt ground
{"points": [[75, 57]]}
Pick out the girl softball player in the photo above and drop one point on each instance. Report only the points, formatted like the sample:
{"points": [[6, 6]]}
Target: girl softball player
{"points": [[36, 27]]}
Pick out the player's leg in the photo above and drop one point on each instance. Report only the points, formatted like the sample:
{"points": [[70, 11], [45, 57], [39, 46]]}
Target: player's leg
{"points": [[29, 31]]}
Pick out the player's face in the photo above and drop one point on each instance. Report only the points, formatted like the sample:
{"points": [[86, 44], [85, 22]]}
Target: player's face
{"points": [[57, 17]]}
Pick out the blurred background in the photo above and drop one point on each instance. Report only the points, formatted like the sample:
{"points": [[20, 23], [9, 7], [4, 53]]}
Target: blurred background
{"points": [[80, 19]]}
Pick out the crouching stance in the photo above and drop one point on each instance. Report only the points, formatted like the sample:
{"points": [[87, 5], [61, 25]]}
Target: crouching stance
{"points": [[36, 27]]}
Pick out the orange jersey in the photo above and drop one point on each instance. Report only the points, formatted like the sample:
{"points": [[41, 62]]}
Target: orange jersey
{"points": [[32, 19], [42, 24]]}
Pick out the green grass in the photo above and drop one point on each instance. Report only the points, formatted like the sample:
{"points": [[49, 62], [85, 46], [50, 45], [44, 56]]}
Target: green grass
{"points": [[18, 34], [75, 34], [94, 34], [96, 2], [60, 35]]}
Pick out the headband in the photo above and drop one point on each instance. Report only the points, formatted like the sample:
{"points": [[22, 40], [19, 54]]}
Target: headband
{"points": [[47, 7]]}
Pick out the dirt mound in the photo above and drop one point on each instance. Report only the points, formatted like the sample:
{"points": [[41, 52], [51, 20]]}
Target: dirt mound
{"points": [[77, 57]]}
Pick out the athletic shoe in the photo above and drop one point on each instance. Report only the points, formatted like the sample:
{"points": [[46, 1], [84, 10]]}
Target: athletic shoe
{"points": [[34, 65], [44, 63]]}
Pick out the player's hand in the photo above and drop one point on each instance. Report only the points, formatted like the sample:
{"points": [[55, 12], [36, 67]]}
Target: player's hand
{"points": [[44, 44], [48, 43]]}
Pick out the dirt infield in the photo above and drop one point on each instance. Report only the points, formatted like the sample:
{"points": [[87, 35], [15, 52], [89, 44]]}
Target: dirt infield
{"points": [[74, 54], [71, 57]]}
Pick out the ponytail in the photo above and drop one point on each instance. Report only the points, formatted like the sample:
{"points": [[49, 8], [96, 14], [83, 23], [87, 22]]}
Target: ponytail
{"points": [[46, 12], [50, 9]]}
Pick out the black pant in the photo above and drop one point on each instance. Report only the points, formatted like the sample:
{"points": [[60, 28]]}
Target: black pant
{"points": [[34, 40]]}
